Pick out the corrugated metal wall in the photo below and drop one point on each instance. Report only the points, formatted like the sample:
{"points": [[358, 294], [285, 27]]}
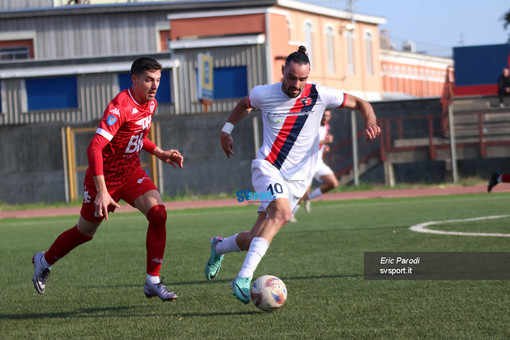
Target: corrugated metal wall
{"points": [[71, 36], [253, 57], [21, 4], [94, 92]]}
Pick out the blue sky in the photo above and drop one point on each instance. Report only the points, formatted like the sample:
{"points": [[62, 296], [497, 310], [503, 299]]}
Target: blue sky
{"points": [[437, 25]]}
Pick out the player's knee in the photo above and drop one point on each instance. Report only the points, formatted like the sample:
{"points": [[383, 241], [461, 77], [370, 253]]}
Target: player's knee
{"points": [[330, 184], [157, 215], [334, 183], [283, 216]]}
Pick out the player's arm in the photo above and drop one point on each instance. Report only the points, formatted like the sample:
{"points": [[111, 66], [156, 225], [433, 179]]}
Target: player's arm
{"points": [[171, 156], [367, 114], [327, 140], [241, 110], [95, 157]]}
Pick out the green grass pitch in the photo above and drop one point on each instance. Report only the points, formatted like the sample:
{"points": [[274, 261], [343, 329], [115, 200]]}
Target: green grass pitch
{"points": [[97, 290]]}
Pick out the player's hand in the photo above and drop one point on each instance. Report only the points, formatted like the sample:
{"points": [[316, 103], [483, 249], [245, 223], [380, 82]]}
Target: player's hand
{"points": [[326, 148], [371, 132], [101, 203], [227, 143], [172, 157], [329, 138]]}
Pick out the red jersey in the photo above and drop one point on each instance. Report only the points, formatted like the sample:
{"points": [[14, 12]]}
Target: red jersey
{"points": [[125, 124]]}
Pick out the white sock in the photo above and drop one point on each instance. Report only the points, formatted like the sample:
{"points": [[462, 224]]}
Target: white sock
{"points": [[152, 279], [316, 193], [296, 209], [45, 263], [227, 245], [258, 248], [500, 178]]}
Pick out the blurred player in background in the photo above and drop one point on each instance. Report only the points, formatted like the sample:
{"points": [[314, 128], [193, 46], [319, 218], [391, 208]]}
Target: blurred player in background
{"points": [[496, 178], [323, 172], [291, 112], [503, 86], [115, 173]]}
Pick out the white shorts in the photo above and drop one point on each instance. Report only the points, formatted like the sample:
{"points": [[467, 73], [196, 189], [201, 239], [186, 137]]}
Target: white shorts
{"points": [[321, 170], [268, 179]]}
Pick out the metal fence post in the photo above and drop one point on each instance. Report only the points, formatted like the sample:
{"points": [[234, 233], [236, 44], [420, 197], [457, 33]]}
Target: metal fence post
{"points": [[354, 132]]}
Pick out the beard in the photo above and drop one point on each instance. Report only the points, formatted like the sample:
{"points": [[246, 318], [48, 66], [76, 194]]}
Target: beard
{"points": [[287, 91]]}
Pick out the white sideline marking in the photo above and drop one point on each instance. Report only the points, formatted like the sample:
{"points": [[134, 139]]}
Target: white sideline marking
{"points": [[421, 228]]}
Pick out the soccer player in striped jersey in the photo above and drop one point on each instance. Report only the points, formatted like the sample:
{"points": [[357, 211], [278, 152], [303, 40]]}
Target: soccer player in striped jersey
{"points": [[323, 173], [115, 173], [291, 113]]}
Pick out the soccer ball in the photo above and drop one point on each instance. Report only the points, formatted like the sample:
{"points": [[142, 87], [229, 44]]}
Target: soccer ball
{"points": [[268, 293]]}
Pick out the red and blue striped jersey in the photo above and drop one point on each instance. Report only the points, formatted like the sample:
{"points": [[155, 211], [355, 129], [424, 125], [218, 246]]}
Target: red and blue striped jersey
{"points": [[291, 126]]}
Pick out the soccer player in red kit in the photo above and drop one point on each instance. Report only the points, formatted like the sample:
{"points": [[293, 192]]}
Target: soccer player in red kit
{"points": [[115, 173]]}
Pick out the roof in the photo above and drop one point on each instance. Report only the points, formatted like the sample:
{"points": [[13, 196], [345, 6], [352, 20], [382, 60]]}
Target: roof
{"points": [[184, 6], [171, 6]]}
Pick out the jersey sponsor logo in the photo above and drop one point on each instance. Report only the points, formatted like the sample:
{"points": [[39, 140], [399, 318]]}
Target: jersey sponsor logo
{"points": [[111, 120], [279, 117], [273, 117], [135, 144], [145, 123], [115, 111]]}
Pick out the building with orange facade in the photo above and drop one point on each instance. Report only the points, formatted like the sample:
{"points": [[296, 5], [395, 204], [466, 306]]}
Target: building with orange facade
{"points": [[413, 75], [89, 45], [343, 55]]}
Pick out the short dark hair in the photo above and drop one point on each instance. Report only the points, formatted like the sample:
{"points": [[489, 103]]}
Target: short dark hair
{"points": [[143, 64], [300, 57]]}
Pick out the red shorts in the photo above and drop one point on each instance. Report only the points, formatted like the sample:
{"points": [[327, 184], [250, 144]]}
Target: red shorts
{"points": [[136, 185]]}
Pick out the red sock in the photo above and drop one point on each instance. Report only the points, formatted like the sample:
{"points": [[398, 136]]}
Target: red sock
{"points": [[156, 239], [66, 242], [505, 178]]}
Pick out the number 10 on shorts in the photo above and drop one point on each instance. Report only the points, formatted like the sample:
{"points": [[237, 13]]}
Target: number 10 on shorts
{"points": [[275, 189]]}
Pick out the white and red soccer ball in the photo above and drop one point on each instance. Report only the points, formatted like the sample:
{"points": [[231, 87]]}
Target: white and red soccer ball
{"points": [[268, 293]]}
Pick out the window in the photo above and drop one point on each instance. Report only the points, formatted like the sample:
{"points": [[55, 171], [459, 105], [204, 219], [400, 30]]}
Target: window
{"points": [[350, 51], [14, 53], [289, 28], [331, 49], [230, 82], [16, 49], [52, 93], [308, 41], [396, 79], [164, 94], [368, 47], [426, 82]]}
